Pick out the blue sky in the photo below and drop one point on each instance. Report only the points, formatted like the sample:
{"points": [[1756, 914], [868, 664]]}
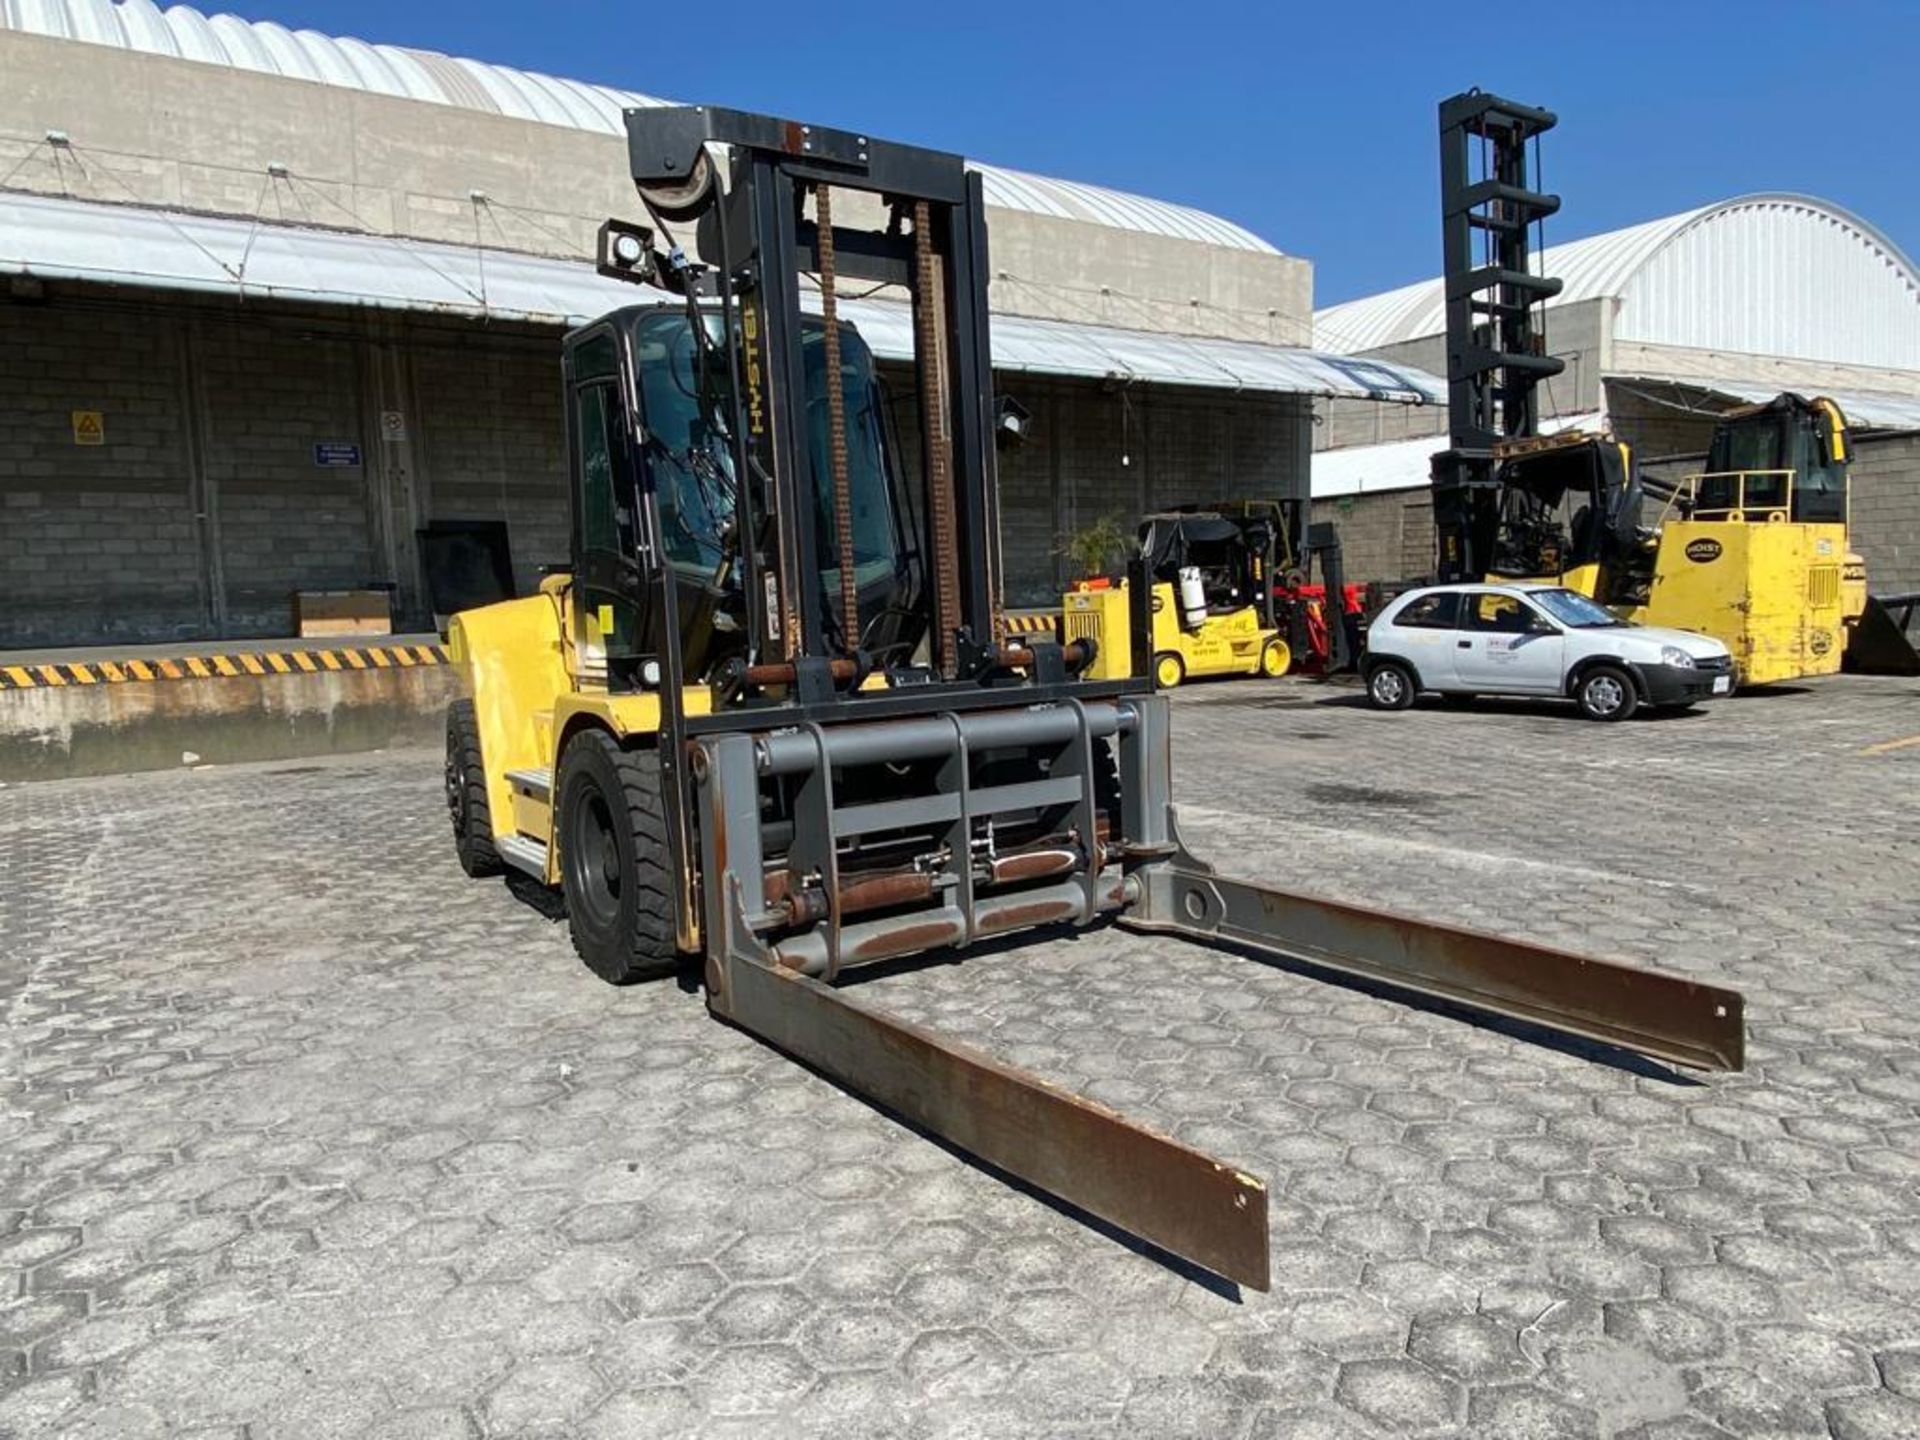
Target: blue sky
{"points": [[1313, 125]]}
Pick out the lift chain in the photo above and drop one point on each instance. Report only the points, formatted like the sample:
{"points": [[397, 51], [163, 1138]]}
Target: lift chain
{"points": [[837, 426], [928, 334]]}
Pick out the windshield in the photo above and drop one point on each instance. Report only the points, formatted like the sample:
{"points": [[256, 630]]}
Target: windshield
{"points": [[1572, 608], [875, 538], [687, 400], [686, 434]]}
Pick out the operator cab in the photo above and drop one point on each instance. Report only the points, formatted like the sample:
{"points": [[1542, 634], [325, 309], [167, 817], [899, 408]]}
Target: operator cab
{"points": [[1234, 556], [651, 409], [1786, 459], [1568, 510]]}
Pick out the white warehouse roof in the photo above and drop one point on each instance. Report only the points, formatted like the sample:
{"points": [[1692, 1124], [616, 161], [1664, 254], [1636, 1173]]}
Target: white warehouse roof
{"points": [[58, 239], [1769, 274], [185, 33]]}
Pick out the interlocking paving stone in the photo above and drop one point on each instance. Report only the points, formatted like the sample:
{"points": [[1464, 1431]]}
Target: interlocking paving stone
{"points": [[303, 1134]]}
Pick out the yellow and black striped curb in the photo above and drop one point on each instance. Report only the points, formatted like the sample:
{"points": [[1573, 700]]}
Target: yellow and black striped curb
{"points": [[1033, 622], [217, 667]]}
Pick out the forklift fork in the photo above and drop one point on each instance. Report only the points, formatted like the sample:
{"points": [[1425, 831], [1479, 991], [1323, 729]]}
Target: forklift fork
{"points": [[770, 967]]}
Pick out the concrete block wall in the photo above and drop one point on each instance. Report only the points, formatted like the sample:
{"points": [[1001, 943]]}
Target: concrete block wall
{"points": [[1095, 451], [1386, 535], [98, 540], [490, 439], [205, 511], [285, 523], [1886, 510]]}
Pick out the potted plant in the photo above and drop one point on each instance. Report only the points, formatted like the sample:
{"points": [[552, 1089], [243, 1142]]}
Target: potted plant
{"points": [[1096, 551]]}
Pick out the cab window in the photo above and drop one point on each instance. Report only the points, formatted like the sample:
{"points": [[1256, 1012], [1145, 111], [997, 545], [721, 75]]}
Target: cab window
{"points": [[1498, 614], [1431, 612]]}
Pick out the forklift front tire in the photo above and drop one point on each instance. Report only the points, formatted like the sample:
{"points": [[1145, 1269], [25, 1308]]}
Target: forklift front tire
{"points": [[1168, 670], [467, 794], [615, 866], [1275, 659], [1390, 686]]}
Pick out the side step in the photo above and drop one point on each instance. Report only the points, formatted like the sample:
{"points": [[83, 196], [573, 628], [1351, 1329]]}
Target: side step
{"points": [[537, 783], [523, 854]]}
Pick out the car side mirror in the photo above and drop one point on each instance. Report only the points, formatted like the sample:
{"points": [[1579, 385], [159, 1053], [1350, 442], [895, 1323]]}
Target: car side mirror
{"points": [[1541, 625]]}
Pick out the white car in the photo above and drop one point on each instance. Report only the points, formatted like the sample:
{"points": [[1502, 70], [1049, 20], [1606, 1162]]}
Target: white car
{"points": [[1535, 640]]}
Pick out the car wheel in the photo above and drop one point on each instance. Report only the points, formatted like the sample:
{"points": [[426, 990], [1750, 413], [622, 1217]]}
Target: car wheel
{"points": [[1390, 686], [1606, 693]]}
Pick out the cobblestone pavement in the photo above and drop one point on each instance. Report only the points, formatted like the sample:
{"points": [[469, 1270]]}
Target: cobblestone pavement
{"points": [[302, 1134]]}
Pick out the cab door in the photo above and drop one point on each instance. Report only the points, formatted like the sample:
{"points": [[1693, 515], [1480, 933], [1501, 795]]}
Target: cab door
{"points": [[612, 558], [1506, 645]]}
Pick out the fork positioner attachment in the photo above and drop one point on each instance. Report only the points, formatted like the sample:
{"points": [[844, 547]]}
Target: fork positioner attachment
{"points": [[779, 931]]}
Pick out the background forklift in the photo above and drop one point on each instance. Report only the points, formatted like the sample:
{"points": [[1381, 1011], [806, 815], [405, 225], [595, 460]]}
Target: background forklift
{"points": [[1753, 552], [1230, 592], [770, 720], [1209, 578]]}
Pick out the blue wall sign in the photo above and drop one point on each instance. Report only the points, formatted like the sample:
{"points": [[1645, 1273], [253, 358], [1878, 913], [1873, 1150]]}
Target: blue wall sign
{"points": [[336, 455]]}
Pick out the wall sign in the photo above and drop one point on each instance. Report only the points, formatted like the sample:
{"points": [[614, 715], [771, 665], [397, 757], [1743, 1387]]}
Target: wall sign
{"points": [[89, 427], [336, 455], [393, 425]]}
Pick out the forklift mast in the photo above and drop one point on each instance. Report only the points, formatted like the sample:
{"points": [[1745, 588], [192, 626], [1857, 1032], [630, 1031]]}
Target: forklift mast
{"points": [[1490, 201]]}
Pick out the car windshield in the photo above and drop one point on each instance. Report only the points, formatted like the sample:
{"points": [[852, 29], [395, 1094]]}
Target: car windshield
{"points": [[1572, 608]]}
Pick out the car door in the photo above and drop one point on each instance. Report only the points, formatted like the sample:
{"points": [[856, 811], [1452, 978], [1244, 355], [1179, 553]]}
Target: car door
{"points": [[1506, 645], [1421, 634]]}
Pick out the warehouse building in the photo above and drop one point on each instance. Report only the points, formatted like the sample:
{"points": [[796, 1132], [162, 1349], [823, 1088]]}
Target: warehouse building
{"points": [[275, 302], [1662, 326]]}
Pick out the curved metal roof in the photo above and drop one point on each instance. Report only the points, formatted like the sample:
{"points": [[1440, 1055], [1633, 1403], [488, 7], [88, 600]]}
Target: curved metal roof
{"points": [[187, 34], [1771, 274]]}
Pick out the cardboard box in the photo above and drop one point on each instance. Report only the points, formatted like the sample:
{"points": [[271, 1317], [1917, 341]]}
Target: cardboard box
{"points": [[342, 612]]}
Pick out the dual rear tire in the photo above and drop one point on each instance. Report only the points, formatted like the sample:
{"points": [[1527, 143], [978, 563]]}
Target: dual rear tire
{"points": [[616, 867]]}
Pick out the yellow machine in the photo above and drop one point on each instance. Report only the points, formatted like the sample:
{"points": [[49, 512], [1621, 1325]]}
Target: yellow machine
{"points": [[1210, 595], [770, 723], [1752, 551]]}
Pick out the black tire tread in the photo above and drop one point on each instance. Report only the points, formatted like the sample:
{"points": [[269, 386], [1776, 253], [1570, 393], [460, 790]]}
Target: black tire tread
{"points": [[473, 841], [649, 950]]}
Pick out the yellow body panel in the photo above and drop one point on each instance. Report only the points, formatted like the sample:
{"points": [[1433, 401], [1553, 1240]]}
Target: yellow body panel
{"points": [[1102, 617], [1771, 592], [1229, 644], [514, 656], [527, 701]]}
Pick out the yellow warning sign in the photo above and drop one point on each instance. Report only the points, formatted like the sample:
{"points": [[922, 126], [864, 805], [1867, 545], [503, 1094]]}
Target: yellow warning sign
{"points": [[89, 427]]}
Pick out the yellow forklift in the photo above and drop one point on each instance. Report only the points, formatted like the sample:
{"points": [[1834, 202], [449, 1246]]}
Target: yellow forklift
{"points": [[1209, 578], [1753, 551], [769, 722]]}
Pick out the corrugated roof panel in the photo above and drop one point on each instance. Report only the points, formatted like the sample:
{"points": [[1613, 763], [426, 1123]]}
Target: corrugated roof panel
{"points": [[60, 239], [446, 80], [1595, 266], [1768, 274], [143, 27], [371, 66]]}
